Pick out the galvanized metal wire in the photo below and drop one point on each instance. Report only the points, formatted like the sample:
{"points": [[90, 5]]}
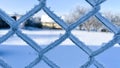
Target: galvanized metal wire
{"points": [[14, 29]]}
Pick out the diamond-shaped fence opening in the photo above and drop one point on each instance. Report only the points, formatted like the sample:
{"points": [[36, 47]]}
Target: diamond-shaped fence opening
{"points": [[107, 59], [56, 6], [73, 59], [88, 38], [41, 52]]}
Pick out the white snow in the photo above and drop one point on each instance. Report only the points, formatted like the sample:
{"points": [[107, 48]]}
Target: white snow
{"points": [[18, 54], [45, 37]]}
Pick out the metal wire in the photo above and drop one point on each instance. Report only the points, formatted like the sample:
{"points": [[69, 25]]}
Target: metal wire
{"points": [[14, 29]]}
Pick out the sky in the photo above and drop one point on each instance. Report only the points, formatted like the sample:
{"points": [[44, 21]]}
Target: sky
{"points": [[58, 6]]}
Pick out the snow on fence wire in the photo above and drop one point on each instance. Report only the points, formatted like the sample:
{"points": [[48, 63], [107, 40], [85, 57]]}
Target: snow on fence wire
{"points": [[14, 29]]}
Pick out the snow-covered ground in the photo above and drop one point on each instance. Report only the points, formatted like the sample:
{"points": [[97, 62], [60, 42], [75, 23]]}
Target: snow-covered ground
{"points": [[43, 36], [18, 54]]}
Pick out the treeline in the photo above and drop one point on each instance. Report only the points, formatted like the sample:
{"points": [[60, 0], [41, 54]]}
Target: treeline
{"points": [[3, 24], [32, 22], [92, 24]]}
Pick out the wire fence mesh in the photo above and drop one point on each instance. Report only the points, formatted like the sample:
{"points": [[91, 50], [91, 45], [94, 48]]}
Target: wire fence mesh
{"points": [[14, 29]]}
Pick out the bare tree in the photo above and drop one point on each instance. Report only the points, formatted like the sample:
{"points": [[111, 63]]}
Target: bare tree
{"points": [[90, 24], [114, 18], [93, 23], [75, 14]]}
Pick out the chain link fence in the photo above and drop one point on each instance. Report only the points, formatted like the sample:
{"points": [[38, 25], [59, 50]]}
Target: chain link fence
{"points": [[14, 29]]}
